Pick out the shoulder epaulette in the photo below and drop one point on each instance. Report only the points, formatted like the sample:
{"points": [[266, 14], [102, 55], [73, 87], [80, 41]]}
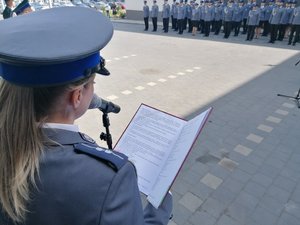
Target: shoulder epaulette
{"points": [[114, 159]]}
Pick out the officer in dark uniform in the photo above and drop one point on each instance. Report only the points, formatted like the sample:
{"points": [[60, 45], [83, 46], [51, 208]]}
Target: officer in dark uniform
{"points": [[154, 15], [295, 30], [146, 13], [50, 172], [8, 12]]}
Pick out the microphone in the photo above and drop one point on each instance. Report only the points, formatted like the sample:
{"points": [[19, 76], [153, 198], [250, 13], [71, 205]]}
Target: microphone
{"points": [[103, 105]]}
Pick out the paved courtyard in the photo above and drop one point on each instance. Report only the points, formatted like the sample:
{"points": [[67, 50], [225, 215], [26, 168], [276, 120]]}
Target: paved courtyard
{"points": [[245, 167]]}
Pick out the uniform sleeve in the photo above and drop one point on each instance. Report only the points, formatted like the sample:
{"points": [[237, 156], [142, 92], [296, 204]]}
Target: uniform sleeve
{"points": [[123, 203]]}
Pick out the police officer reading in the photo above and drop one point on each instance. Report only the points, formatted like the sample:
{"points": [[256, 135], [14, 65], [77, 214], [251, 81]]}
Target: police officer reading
{"points": [[50, 173]]}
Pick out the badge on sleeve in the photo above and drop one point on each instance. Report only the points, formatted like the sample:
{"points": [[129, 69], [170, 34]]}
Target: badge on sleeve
{"points": [[115, 160]]}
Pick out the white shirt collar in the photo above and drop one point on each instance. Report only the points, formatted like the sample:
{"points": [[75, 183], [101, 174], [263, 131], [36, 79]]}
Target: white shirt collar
{"points": [[69, 127]]}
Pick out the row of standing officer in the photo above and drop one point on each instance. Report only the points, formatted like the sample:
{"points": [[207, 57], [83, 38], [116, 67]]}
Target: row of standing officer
{"points": [[209, 16]]}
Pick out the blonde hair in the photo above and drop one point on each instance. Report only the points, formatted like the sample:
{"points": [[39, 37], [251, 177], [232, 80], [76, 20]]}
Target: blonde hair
{"points": [[21, 141]]}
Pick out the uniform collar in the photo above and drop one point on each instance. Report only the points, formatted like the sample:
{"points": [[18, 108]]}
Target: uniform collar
{"points": [[69, 127]]}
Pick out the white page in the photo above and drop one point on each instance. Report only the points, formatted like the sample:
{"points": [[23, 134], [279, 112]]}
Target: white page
{"points": [[176, 158], [147, 142]]}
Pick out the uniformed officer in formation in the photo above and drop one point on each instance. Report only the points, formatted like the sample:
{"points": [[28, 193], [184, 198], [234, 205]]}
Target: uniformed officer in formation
{"points": [[173, 15], [166, 16], [285, 20], [247, 8], [252, 22], [218, 17], [227, 18], [274, 20], [189, 16], [180, 16], [146, 13], [295, 29], [8, 11], [50, 172], [195, 17], [154, 15], [209, 13], [237, 17]]}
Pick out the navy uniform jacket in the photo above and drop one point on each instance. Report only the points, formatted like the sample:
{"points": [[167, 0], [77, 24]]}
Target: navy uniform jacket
{"points": [[154, 11], [76, 188], [146, 11], [7, 13]]}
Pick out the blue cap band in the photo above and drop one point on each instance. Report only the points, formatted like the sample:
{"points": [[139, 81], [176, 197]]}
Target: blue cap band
{"points": [[21, 9], [47, 75]]}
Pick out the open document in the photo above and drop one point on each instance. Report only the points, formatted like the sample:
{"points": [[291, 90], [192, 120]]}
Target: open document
{"points": [[158, 143]]}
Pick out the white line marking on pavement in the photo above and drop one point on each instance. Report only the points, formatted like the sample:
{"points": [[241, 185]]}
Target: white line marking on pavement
{"points": [[265, 128], [139, 88], [126, 92], [282, 112], [112, 97], [125, 56], [151, 84], [107, 60], [162, 80], [117, 58], [180, 73], [197, 68], [133, 55], [255, 138], [273, 119], [172, 76], [288, 105]]}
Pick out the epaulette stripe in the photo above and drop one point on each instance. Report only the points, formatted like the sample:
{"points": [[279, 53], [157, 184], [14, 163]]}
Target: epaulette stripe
{"points": [[114, 159]]}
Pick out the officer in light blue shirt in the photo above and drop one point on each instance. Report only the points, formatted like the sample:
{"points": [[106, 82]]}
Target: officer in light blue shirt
{"points": [[247, 8], [173, 16], [218, 17], [146, 13], [267, 14], [252, 22], [295, 29], [209, 13], [154, 15], [274, 20], [166, 16], [195, 17], [284, 21], [237, 17], [227, 18], [189, 15], [180, 16]]}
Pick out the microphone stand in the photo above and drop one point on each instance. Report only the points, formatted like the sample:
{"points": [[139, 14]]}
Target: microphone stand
{"points": [[106, 136]]}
